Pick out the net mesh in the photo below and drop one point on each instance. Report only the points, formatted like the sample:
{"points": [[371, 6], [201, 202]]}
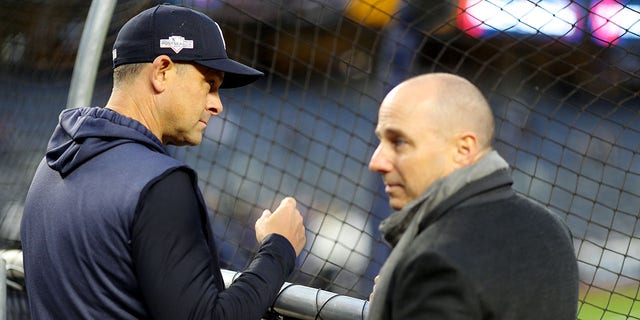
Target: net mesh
{"points": [[562, 78]]}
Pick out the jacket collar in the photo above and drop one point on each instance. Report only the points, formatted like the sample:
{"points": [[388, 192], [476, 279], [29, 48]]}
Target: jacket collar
{"points": [[446, 190]]}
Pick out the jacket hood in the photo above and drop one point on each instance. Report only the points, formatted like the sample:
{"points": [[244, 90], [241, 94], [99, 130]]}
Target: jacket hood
{"points": [[83, 133]]}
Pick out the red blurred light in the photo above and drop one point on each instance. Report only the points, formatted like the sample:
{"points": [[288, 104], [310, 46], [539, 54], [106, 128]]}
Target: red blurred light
{"points": [[605, 31], [466, 21]]}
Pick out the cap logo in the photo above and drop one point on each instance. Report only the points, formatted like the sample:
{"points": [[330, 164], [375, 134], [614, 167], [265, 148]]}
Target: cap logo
{"points": [[176, 43]]}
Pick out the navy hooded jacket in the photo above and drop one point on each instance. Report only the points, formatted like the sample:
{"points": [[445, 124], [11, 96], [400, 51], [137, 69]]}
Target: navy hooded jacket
{"points": [[115, 228]]}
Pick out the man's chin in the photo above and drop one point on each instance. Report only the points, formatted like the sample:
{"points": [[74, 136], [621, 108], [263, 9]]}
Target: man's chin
{"points": [[186, 141], [397, 204], [183, 143]]}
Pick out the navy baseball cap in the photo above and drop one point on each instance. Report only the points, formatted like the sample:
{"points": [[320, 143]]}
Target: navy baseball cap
{"points": [[183, 34]]}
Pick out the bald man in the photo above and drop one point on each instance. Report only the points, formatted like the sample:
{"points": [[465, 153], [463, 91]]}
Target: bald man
{"points": [[465, 245]]}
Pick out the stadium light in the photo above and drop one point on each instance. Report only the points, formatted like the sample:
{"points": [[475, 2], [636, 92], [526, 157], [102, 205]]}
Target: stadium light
{"points": [[558, 18]]}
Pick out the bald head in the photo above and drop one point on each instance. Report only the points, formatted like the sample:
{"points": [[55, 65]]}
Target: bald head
{"points": [[454, 104], [429, 126]]}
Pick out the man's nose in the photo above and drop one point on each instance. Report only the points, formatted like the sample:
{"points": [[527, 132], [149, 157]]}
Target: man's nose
{"points": [[214, 104], [379, 162]]}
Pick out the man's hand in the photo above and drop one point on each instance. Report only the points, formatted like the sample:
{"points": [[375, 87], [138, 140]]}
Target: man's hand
{"points": [[285, 221]]}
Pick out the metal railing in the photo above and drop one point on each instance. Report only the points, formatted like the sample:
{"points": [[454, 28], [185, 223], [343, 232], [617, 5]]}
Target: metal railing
{"points": [[302, 302], [294, 301]]}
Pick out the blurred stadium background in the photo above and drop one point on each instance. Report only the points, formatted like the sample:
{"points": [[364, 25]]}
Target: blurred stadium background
{"points": [[562, 77]]}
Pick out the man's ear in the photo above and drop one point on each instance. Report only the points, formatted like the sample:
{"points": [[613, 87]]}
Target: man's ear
{"points": [[466, 148], [160, 66]]}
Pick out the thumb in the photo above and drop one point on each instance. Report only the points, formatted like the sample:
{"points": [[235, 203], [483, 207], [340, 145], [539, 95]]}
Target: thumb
{"points": [[265, 214], [291, 201], [260, 228]]}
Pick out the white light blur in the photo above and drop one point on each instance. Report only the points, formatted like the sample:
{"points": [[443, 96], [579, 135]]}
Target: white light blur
{"points": [[554, 18]]}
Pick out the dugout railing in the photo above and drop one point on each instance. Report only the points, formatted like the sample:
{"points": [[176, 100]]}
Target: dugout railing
{"points": [[293, 301]]}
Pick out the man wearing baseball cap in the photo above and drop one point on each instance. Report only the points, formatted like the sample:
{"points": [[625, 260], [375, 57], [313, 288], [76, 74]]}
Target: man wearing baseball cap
{"points": [[113, 226]]}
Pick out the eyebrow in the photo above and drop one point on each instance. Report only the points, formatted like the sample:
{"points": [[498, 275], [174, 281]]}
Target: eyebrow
{"points": [[389, 132]]}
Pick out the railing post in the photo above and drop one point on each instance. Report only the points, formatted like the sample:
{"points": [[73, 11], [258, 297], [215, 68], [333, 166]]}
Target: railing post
{"points": [[89, 53]]}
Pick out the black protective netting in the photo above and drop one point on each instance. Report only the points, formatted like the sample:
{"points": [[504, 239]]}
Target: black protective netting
{"points": [[562, 77]]}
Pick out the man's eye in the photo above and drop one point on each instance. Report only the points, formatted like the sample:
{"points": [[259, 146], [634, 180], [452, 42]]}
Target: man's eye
{"points": [[399, 142]]}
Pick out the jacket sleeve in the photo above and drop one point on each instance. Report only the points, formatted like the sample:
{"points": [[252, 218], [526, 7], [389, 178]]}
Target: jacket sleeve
{"points": [[428, 287], [174, 264]]}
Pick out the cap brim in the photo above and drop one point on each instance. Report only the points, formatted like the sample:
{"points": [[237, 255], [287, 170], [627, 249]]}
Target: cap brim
{"points": [[235, 74]]}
